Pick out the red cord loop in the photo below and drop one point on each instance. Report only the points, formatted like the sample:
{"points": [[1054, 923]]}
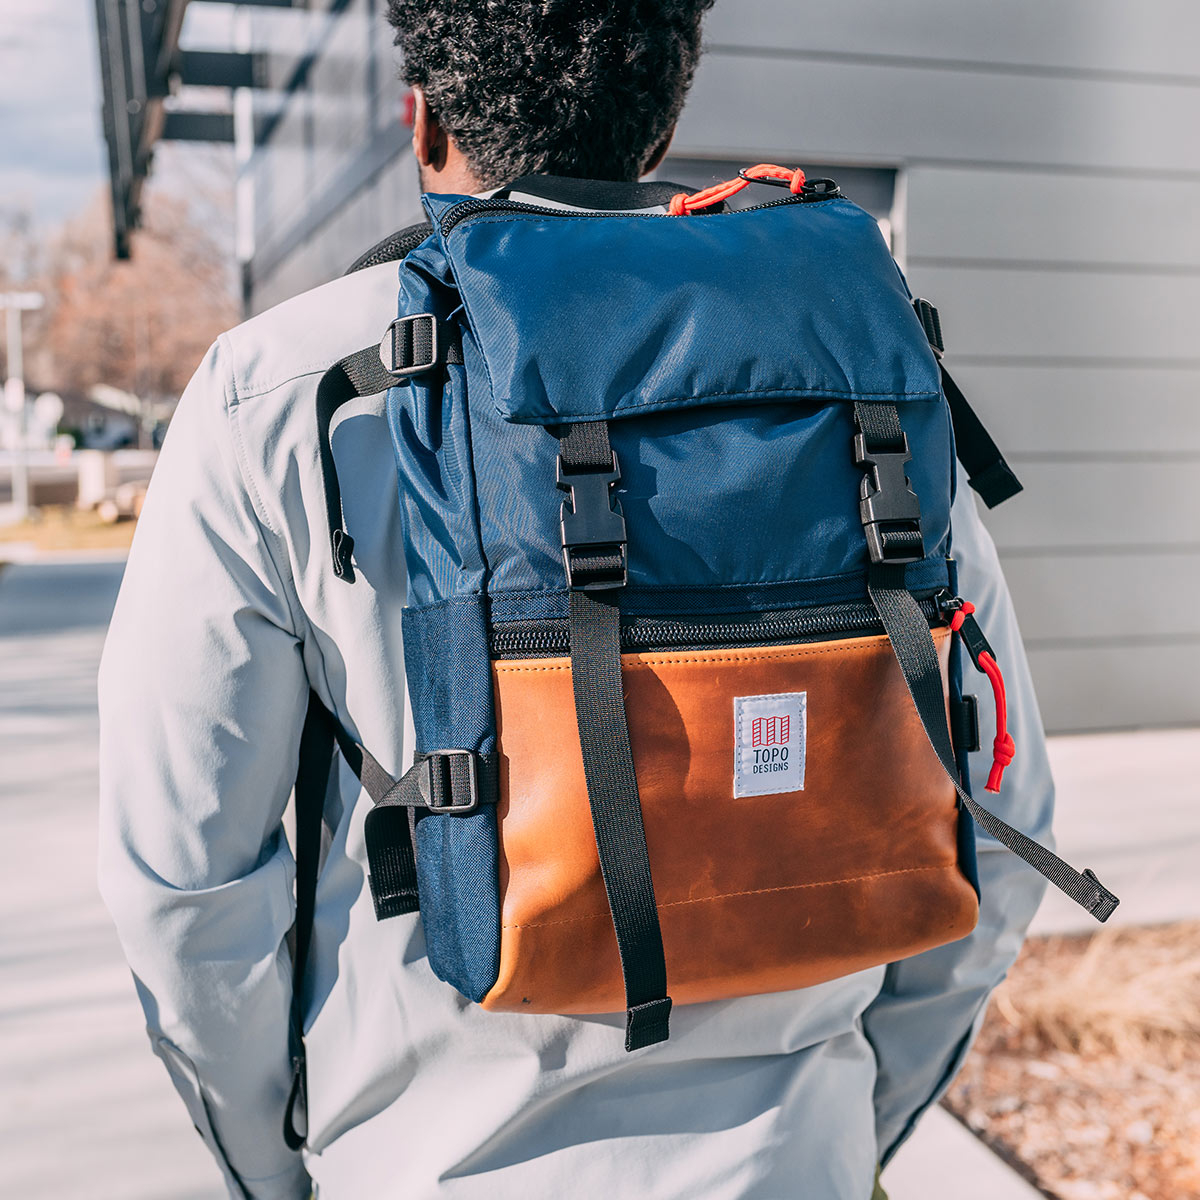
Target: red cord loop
{"points": [[682, 204], [956, 621], [1003, 746]]}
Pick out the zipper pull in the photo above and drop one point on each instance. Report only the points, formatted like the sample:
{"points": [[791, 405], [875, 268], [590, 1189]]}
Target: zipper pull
{"points": [[962, 622]]}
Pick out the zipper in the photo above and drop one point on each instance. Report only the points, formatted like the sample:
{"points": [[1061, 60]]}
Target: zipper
{"points": [[550, 637], [473, 207]]}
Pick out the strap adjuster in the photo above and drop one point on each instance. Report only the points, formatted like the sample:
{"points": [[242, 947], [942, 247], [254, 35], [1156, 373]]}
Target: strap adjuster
{"points": [[440, 794], [888, 507], [932, 324], [593, 528], [410, 345]]}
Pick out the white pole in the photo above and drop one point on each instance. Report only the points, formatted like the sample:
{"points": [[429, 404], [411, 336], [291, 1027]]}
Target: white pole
{"points": [[243, 152], [14, 395], [14, 303]]}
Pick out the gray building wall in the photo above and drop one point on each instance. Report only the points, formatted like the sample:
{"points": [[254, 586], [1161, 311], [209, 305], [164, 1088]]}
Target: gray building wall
{"points": [[1047, 195]]}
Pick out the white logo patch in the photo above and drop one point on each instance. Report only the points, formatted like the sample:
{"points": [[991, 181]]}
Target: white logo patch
{"points": [[769, 735]]}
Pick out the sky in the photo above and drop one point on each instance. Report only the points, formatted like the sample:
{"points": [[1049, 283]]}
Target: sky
{"points": [[52, 154], [52, 157]]}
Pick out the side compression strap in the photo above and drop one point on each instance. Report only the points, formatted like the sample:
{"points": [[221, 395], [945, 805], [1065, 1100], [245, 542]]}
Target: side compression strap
{"points": [[987, 471], [594, 552], [912, 641], [412, 345], [446, 782]]}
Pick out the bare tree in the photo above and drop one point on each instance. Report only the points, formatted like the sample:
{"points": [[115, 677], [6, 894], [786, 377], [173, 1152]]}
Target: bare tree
{"points": [[141, 325]]}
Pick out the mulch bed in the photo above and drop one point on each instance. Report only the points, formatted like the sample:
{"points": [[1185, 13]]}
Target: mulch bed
{"points": [[1086, 1075]]}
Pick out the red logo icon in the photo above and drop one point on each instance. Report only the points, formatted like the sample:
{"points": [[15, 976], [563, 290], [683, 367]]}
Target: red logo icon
{"points": [[770, 731]]}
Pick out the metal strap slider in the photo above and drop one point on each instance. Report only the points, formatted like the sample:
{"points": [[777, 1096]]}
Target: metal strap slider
{"points": [[410, 345]]}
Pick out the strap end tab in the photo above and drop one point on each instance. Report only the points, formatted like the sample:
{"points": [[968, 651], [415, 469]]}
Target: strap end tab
{"points": [[343, 548], [1102, 903], [996, 483], [647, 1024]]}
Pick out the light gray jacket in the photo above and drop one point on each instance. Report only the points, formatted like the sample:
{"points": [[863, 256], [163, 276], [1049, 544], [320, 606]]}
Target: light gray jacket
{"points": [[229, 610]]}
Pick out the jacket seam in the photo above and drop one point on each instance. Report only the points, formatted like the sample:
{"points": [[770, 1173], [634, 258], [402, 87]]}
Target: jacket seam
{"points": [[274, 540]]}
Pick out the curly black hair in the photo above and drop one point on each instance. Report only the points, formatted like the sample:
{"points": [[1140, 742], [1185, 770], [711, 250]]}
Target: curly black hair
{"points": [[587, 88]]}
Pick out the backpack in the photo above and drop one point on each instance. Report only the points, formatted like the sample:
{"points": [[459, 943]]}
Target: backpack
{"points": [[682, 636]]}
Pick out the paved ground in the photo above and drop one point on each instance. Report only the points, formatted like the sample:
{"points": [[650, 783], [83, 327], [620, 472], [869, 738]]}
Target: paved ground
{"points": [[85, 1111]]}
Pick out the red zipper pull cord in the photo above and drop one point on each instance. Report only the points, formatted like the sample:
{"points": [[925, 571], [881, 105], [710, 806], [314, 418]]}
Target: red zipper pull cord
{"points": [[1003, 747], [682, 204]]}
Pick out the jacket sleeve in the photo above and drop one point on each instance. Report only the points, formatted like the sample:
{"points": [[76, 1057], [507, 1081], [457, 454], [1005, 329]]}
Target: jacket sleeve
{"points": [[202, 696], [931, 1005]]}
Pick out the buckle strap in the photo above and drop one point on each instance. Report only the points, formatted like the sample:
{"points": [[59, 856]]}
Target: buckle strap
{"points": [[594, 555], [591, 520], [912, 642], [888, 506]]}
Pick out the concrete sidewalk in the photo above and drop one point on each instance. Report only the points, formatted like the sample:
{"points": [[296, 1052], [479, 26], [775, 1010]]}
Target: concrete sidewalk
{"points": [[86, 1111]]}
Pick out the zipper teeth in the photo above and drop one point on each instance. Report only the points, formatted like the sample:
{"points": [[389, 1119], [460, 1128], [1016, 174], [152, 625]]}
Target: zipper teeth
{"points": [[550, 635], [470, 208]]}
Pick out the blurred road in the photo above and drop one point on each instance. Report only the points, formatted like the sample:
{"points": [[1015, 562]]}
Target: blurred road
{"points": [[85, 1109]]}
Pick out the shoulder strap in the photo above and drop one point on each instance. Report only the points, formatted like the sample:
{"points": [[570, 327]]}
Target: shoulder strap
{"points": [[312, 781], [446, 782], [882, 446], [392, 248]]}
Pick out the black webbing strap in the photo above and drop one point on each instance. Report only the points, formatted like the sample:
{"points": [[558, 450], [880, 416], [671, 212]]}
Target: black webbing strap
{"points": [[594, 550], [451, 782], [447, 782], [312, 781], [412, 343], [912, 642], [987, 471]]}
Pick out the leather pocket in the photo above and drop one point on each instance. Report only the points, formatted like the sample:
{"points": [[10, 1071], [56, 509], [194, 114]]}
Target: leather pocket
{"points": [[854, 865]]}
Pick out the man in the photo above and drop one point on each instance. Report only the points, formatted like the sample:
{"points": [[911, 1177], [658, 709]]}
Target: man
{"points": [[229, 612]]}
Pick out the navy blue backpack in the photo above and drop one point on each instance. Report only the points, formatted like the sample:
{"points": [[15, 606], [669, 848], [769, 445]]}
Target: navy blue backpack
{"points": [[682, 636]]}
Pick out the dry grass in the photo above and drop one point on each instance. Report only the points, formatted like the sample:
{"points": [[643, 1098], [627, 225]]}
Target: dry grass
{"points": [[1087, 1070], [1127, 992], [64, 527]]}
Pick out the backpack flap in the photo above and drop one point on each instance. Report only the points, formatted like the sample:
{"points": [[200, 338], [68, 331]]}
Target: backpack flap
{"points": [[594, 316]]}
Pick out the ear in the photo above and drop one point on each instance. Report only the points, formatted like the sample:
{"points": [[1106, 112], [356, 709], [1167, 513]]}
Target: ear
{"points": [[659, 152], [429, 138]]}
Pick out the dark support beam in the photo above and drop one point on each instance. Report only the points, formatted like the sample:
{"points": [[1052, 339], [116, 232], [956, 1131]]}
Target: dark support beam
{"points": [[210, 68], [198, 127]]}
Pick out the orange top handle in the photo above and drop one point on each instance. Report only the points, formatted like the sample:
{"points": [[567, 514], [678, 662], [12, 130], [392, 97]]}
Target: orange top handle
{"points": [[682, 204]]}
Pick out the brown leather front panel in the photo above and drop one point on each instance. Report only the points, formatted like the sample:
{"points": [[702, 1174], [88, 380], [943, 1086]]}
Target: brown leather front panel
{"points": [[755, 893]]}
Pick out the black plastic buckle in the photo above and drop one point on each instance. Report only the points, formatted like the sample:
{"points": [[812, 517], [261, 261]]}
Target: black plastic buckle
{"points": [[888, 507], [436, 761], [593, 528], [397, 339], [932, 324]]}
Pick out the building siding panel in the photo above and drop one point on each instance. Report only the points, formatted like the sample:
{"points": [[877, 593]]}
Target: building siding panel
{"points": [[877, 113], [1151, 36]]}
